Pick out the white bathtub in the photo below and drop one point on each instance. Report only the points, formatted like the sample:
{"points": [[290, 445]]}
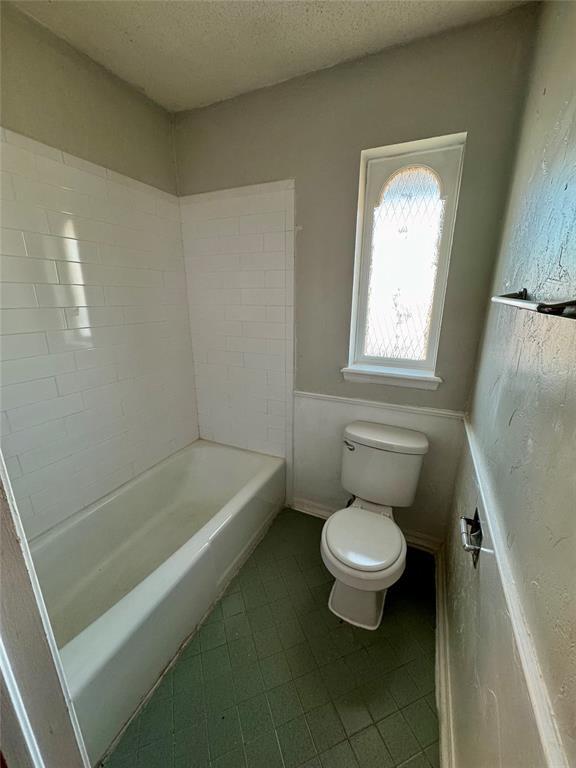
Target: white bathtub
{"points": [[128, 579]]}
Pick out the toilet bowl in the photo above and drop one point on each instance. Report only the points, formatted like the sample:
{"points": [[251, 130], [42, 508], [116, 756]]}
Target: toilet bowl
{"points": [[365, 551], [361, 545]]}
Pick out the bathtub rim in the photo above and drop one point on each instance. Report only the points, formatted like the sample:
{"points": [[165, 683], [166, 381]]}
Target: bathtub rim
{"points": [[46, 537], [112, 629]]}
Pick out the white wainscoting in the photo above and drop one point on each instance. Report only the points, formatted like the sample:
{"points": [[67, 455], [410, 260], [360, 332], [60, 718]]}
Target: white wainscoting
{"points": [[319, 421], [239, 253], [96, 365]]}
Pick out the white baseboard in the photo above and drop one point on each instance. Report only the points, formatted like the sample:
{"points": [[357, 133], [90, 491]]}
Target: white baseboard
{"points": [[443, 687]]}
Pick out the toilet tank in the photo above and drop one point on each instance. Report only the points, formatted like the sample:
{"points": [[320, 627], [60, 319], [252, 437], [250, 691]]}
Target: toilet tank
{"points": [[382, 464]]}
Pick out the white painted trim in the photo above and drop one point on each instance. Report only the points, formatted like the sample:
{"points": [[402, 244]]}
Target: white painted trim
{"points": [[540, 699], [43, 618], [413, 409], [413, 538], [13, 691], [374, 374], [443, 684], [311, 508], [444, 155]]}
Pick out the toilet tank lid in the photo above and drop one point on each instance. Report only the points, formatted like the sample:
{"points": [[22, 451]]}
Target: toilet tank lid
{"points": [[386, 438]]}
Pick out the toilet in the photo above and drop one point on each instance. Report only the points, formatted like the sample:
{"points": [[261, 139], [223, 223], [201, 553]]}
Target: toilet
{"points": [[361, 545]]}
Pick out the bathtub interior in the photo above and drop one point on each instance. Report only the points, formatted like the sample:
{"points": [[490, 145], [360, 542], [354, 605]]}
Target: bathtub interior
{"points": [[93, 560]]}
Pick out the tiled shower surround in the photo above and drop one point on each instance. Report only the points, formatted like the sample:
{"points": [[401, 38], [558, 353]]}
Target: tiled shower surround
{"points": [[239, 253], [101, 321], [274, 680], [96, 357]]}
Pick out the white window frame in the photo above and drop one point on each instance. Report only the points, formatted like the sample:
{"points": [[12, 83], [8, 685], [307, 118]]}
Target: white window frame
{"points": [[393, 371]]}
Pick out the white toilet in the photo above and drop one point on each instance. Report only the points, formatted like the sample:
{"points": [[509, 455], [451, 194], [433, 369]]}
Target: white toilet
{"points": [[362, 546]]}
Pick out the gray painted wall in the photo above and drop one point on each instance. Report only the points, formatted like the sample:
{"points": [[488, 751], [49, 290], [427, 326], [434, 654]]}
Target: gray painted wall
{"points": [[58, 96], [313, 129], [524, 410]]}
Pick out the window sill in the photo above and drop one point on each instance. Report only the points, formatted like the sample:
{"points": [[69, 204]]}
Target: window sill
{"points": [[395, 377]]}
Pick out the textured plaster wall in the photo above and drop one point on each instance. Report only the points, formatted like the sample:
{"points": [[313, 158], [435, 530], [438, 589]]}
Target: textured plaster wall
{"points": [[524, 409], [58, 96], [493, 722], [313, 129]]}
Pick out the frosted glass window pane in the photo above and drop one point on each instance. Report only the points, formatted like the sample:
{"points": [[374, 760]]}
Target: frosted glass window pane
{"points": [[407, 228]]}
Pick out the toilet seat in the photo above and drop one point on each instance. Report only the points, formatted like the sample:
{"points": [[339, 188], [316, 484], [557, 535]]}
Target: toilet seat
{"points": [[364, 540], [370, 581]]}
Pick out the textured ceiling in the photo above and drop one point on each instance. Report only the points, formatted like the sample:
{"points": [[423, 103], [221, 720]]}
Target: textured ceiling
{"points": [[188, 53]]}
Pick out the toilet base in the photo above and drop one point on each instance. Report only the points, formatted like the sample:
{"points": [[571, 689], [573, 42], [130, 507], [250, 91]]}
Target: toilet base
{"points": [[358, 607]]}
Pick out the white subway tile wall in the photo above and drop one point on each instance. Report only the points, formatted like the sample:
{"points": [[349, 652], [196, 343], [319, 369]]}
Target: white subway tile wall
{"points": [[96, 370], [239, 254]]}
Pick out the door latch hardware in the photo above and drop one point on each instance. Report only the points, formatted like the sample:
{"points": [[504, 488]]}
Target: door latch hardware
{"points": [[471, 535]]}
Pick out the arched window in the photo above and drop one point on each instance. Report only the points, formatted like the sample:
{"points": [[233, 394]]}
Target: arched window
{"points": [[407, 224], [407, 208]]}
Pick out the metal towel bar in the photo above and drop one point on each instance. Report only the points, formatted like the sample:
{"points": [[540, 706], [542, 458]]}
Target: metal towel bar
{"points": [[520, 300]]}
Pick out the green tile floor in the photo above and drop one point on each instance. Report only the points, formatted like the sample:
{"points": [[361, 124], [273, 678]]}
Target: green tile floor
{"points": [[274, 680]]}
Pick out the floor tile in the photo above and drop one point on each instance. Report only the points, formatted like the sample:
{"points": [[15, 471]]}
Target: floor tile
{"points": [[191, 743], [433, 754], [295, 742], [370, 750], [300, 659], [187, 673], [215, 662], [283, 612], [254, 595], [212, 635], [423, 722], [325, 727], [353, 712], [156, 755], [237, 626], [340, 756], [312, 691], [255, 717], [188, 707], [284, 703], [267, 642], [242, 652], [156, 721], [233, 605], [290, 633], [378, 700], [247, 682], [422, 673], [399, 739], [276, 590], [124, 760], [264, 752], [274, 680], [224, 732], [275, 670], [215, 614], [128, 744], [165, 690], [219, 693], [418, 761], [401, 686], [234, 759], [337, 678], [260, 618]]}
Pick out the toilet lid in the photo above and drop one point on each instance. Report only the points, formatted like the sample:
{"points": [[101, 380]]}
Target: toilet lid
{"points": [[363, 540]]}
